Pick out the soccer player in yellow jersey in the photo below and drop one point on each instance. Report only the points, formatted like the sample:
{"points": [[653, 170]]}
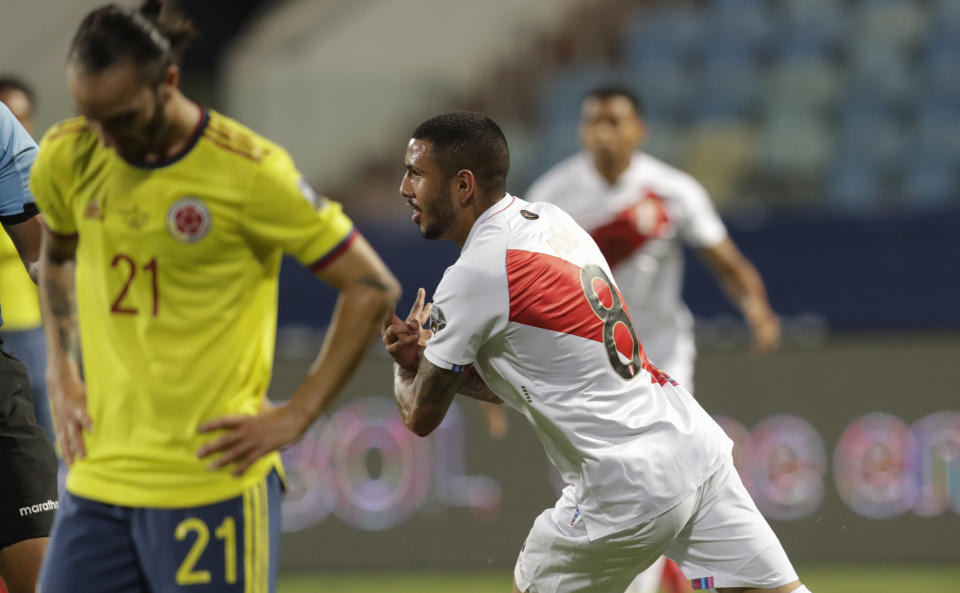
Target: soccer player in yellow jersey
{"points": [[166, 223]]}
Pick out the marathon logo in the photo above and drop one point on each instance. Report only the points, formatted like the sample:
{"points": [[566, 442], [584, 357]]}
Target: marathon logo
{"points": [[50, 505]]}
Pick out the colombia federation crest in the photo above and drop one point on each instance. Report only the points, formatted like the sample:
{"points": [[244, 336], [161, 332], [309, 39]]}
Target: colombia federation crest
{"points": [[188, 220]]}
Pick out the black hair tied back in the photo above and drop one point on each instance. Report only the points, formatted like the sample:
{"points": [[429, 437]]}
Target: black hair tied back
{"points": [[174, 27], [152, 37]]}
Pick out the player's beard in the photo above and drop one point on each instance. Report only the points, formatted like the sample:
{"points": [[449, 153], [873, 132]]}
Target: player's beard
{"points": [[437, 219], [148, 138]]}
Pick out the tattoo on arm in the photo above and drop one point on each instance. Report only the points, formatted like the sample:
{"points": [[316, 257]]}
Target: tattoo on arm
{"points": [[374, 282], [63, 306], [474, 387], [424, 398], [58, 259]]}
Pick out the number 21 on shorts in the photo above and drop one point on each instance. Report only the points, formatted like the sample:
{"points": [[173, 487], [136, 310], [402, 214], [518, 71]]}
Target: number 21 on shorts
{"points": [[187, 573]]}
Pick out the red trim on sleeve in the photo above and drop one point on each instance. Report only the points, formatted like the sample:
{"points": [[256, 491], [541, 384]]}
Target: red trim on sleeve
{"points": [[336, 252]]}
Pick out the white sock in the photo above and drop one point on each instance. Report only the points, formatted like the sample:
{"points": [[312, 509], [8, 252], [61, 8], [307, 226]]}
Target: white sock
{"points": [[801, 589]]}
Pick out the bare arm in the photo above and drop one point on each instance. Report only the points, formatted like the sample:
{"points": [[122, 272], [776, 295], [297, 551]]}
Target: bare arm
{"points": [[405, 342], [744, 287], [368, 296], [474, 387], [26, 237], [424, 397], [58, 302]]}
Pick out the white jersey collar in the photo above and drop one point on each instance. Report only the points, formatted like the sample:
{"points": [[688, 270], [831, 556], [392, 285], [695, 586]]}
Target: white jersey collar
{"points": [[499, 206]]}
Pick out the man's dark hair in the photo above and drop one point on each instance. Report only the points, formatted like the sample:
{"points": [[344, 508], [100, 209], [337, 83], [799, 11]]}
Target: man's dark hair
{"points": [[609, 91], [13, 83], [149, 36], [467, 140]]}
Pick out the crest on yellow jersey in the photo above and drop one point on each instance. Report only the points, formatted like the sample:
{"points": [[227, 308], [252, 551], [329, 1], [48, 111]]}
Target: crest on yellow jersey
{"points": [[188, 220]]}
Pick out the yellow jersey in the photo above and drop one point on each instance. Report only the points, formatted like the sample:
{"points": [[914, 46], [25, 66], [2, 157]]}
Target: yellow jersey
{"points": [[18, 293], [176, 281]]}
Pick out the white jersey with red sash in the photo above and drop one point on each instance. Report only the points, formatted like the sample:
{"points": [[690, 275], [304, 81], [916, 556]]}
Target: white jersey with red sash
{"points": [[532, 304], [640, 224]]}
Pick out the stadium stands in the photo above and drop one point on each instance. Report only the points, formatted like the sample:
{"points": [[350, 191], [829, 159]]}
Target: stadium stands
{"points": [[851, 104]]}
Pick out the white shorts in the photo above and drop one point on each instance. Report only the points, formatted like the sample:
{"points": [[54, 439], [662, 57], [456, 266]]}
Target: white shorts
{"points": [[716, 535]]}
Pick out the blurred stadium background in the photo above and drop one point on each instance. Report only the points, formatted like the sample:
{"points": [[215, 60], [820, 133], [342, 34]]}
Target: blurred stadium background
{"points": [[828, 133]]}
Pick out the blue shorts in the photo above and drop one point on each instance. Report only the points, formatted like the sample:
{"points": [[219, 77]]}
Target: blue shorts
{"points": [[232, 546]]}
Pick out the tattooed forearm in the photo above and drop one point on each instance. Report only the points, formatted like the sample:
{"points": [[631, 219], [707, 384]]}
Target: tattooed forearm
{"points": [[473, 386], [58, 300], [61, 306], [423, 398]]}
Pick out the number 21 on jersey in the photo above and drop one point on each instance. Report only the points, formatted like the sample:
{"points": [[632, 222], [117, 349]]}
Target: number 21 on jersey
{"points": [[128, 266]]}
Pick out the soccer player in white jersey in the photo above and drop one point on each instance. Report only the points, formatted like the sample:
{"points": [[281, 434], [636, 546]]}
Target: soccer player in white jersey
{"points": [[530, 315], [641, 211]]}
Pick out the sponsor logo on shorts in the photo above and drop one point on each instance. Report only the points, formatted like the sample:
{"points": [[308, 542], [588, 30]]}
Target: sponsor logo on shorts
{"points": [[42, 507]]}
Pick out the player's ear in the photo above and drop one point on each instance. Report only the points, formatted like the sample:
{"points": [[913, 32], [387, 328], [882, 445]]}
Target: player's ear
{"points": [[171, 78], [466, 183]]}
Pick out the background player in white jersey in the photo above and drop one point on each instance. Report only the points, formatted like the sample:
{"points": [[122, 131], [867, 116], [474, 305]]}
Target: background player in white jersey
{"points": [[641, 211], [529, 314]]}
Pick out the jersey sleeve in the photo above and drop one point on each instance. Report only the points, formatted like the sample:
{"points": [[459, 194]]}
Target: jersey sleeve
{"points": [[701, 225], [470, 307], [284, 212], [47, 181], [18, 154]]}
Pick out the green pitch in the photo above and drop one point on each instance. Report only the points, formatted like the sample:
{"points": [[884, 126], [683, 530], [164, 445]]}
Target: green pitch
{"points": [[933, 578]]}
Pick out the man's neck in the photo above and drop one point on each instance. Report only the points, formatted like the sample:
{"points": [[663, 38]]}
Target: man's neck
{"points": [[478, 209], [183, 116], [611, 173]]}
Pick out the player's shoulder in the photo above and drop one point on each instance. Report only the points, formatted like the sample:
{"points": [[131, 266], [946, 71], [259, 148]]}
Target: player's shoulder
{"points": [[529, 223], [240, 142], [666, 177], [527, 212], [68, 144], [69, 131]]}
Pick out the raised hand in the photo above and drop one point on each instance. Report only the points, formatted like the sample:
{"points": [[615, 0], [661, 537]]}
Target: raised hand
{"points": [[405, 340]]}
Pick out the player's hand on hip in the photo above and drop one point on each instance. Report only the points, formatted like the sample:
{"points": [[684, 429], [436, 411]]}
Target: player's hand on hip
{"points": [[246, 439], [405, 340], [68, 402]]}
